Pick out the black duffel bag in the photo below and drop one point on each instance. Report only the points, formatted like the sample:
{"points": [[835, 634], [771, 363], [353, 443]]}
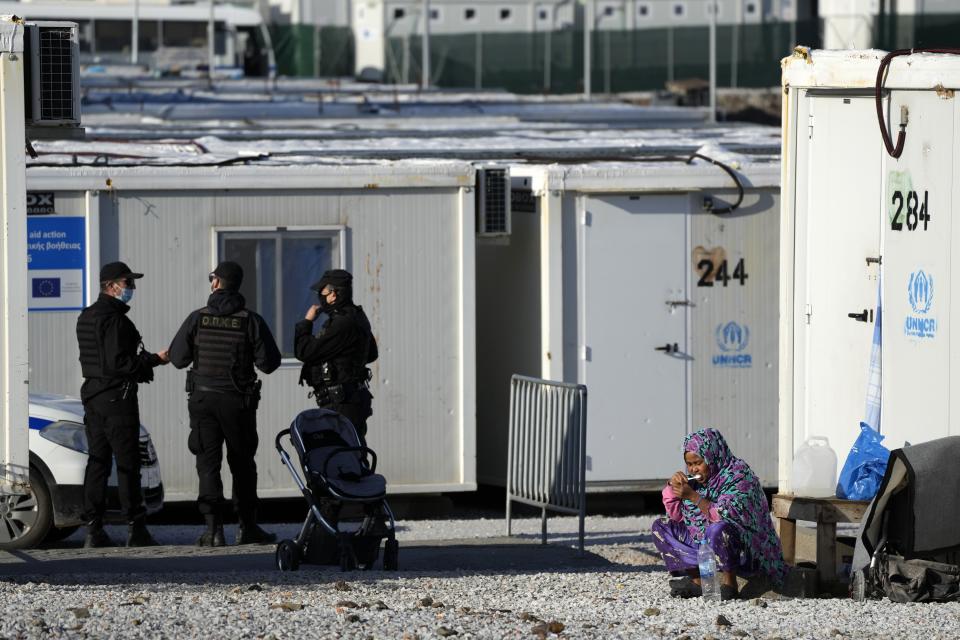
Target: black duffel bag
{"points": [[917, 580]]}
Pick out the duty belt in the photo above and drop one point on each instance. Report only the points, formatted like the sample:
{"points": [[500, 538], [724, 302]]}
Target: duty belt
{"points": [[202, 387], [337, 393], [205, 388]]}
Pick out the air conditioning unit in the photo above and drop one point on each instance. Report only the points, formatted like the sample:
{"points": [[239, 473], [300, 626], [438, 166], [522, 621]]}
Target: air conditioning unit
{"points": [[51, 74], [493, 201]]}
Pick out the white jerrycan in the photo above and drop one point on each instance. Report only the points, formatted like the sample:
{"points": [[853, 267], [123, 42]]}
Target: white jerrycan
{"points": [[815, 469]]}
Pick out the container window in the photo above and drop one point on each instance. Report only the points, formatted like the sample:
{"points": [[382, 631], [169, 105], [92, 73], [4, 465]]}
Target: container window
{"points": [[469, 14], [148, 35], [113, 36], [679, 10], [279, 266], [505, 14], [178, 33], [542, 14], [434, 14], [643, 10], [399, 13], [608, 10], [751, 8]]}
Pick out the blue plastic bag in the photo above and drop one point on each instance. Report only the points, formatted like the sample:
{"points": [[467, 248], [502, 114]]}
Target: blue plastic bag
{"points": [[866, 463]]}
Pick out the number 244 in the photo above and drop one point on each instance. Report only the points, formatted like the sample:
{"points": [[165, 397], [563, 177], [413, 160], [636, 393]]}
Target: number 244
{"points": [[708, 276]]}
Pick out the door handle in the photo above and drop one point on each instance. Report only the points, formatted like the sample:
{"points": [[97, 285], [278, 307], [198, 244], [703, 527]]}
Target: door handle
{"points": [[679, 303], [865, 316], [668, 348]]}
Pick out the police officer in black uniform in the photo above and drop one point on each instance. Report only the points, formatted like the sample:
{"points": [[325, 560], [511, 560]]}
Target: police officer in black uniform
{"points": [[335, 359], [113, 362], [224, 341]]}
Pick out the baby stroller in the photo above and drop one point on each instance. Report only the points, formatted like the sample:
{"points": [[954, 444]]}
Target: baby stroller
{"points": [[908, 544], [336, 477]]}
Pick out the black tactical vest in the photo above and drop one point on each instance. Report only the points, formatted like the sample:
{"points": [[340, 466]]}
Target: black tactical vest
{"points": [[88, 337], [345, 368], [222, 347]]}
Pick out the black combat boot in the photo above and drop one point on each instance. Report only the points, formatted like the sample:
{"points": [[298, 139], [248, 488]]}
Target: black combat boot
{"points": [[249, 532], [138, 536], [96, 536], [213, 536]]}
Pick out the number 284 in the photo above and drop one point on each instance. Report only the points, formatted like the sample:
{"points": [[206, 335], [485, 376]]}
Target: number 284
{"points": [[916, 212]]}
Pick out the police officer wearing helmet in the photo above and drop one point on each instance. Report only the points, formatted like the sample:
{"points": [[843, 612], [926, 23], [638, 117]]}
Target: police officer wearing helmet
{"points": [[113, 362], [335, 359], [224, 341]]}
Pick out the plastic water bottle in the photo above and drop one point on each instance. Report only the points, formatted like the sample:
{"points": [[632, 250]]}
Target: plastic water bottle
{"points": [[709, 578]]}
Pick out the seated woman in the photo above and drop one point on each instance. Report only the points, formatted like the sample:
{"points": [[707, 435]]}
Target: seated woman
{"points": [[728, 506]]}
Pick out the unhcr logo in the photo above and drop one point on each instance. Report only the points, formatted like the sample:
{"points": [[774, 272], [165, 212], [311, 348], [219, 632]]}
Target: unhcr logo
{"points": [[920, 291], [920, 297], [732, 340], [732, 337]]}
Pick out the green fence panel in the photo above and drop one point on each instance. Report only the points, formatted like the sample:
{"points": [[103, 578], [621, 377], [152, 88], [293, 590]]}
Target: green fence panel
{"points": [[336, 52], [294, 48], [929, 30], [637, 60]]}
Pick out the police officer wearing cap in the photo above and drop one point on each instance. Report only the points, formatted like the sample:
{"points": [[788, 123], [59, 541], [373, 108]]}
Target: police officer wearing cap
{"points": [[224, 341], [335, 359], [113, 362]]}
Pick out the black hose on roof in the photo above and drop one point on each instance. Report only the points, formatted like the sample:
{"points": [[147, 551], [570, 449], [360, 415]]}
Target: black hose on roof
{"points": [[895, 151], [736, 180]]}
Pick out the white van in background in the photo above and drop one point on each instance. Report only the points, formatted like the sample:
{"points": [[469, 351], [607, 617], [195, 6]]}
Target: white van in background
{"points": [[58, 458]]}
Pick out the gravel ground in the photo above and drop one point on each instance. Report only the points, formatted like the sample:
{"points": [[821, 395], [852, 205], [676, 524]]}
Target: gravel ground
{"points": [[561, 530], [623, 597]]}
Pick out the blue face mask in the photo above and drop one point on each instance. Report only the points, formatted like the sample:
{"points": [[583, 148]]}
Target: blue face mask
{"points": [[126, 295]]}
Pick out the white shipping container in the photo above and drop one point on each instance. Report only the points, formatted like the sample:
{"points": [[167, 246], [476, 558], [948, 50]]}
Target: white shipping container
{"points": [[851, 211], [666, 311], [14, 454], [405, 230]]}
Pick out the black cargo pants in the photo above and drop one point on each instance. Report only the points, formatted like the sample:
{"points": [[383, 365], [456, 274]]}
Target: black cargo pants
{"points": [[357, 408], [113, 430], [217, 419]]}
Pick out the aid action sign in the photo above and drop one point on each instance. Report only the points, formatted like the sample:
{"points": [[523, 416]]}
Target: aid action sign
{"points": [[56, 263]]}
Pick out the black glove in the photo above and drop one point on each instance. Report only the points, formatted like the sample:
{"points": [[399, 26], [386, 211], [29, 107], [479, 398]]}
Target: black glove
{"points": [[145, 370]]}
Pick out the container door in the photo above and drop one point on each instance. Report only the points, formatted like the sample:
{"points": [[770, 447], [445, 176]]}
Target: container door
{"points": [[841, 244], [917, 269], [633, 337]]}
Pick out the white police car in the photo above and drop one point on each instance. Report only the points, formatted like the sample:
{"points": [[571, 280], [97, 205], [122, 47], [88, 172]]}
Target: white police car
{"points": [[58, 458]]}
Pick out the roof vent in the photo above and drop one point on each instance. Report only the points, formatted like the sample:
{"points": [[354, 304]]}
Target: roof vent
{"points": [[493, 201]]}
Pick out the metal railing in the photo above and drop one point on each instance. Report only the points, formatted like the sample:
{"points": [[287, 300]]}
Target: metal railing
{"points": [[546, 459]]}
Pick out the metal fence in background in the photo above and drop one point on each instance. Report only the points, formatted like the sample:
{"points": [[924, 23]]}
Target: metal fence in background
{"points": [[623, 60], [546, 458], [748, 55], [308, 51]]}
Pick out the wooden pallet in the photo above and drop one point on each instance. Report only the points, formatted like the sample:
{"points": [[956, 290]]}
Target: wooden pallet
{"points": [[826, 513]]}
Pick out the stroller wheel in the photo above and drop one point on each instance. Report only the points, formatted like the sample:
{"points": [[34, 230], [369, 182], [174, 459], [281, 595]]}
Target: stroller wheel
{"points": [[288, 555], [858, 586], [391, 555]]}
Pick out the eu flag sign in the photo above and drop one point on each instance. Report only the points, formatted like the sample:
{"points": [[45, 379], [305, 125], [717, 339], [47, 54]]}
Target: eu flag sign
{"points": [[46, 287]]}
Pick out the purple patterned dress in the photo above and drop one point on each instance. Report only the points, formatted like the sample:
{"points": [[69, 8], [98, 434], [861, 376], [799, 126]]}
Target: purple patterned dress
{"points": [[742, 535]]}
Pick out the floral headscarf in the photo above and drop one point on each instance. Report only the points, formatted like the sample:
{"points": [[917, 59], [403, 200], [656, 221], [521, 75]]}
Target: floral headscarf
{"points": [[735, 492]]}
